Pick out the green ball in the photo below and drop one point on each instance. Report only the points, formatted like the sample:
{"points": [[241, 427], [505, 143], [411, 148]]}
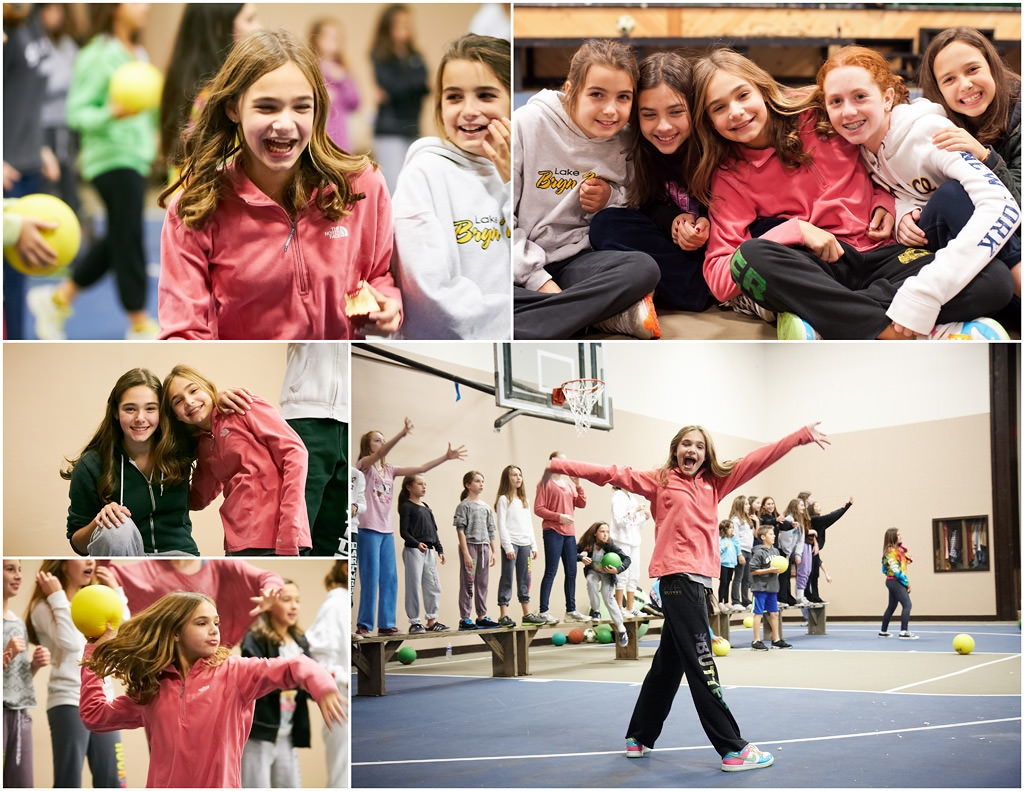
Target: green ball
{"points": [[558, 638], [604, 633], [406, 654], [643, 629], [611, 559]]}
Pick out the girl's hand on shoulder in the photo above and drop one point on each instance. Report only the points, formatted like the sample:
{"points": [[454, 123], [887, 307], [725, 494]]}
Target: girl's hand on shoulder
{"points": [[821, 243], [909, 233], [234, 401], [332, 707], [594, 194], [112, 515], [953, 138], [455, 453], [881, 225], [819, 437], [497, 146], [389, 318], [47, 582]]}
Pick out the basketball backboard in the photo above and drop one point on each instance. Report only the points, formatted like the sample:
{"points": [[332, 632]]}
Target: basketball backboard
{"points": [[527, 373]]}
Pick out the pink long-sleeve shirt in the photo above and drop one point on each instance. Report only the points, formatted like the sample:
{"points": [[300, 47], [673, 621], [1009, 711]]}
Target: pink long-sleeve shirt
{"points": [[253, 272], [685, 510], [553, 499], [196, 726], [230, 583], [833, 192], [260, 464]]}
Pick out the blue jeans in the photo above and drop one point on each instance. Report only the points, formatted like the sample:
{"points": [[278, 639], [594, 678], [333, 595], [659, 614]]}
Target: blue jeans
{"points": [[377, 571], [558, 547]]}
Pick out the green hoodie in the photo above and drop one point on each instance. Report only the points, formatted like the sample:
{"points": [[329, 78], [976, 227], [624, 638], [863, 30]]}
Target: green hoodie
{"points": [[108, 143], [160, 512]]}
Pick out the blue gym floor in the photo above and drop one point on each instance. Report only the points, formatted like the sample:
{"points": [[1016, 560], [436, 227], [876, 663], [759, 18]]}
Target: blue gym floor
{"points": [[846, 709]]}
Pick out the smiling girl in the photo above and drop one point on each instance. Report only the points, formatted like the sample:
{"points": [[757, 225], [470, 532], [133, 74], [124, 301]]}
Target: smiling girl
{"points": [[194, 699], [129, 487], [453, 202], [255, 459], [570, 162], [684, 494], [661, 219], [275, 224]]}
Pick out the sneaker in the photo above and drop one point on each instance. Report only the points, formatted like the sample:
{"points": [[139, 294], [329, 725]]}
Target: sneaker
{"points": [[437, 626], [745, 305], [466, 625], [506, 622], [595, 615], [623, 638], [885, 634], [757, 645], [738, 608], [781, 644], [416, 628], [640, 321], [387, 631], [791, 327], [361, 630], [486, 623], [635, 750], [982, 329], [748, 758], [650, 609], [575, 615], [548, 617], [908, 636], [147, 331], [49, 316], [535, 619], [803, 601]]}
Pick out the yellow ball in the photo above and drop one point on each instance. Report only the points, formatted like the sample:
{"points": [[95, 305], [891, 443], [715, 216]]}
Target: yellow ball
{"points": [[963, 644], [780, 563], [93, 607], [65, 239], [720, 646], [136, 86], [748, 621]]}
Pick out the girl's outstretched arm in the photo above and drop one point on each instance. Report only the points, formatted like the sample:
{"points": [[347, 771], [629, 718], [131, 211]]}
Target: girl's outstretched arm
{"points": [[449, 455], [332, 707], [100, 715], [368, 461]]}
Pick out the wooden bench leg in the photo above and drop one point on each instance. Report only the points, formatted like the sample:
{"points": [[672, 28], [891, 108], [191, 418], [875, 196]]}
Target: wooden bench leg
{"points": [[816, 620], [632, 649], [369, 659], [523, 639], [503, 653], [720, 624]]}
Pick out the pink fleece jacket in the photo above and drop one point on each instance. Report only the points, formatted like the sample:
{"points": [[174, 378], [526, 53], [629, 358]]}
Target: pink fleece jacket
{"points": [[196, 726], [833, 192], [553, 499], [251, 272], [685, 510], [260, 464], [230, 583]]}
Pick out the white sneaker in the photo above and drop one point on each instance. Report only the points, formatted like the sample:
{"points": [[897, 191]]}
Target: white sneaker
{"points": [[907, 636], [803, 601], [640, 321], [738, 608], [548, 617], [575, 615], [147, 332], [745, 305], [982, 329], [49, 316], [623, 638]]}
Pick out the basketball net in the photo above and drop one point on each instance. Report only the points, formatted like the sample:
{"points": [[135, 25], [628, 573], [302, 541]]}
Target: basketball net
{"points": [[581, 395]]}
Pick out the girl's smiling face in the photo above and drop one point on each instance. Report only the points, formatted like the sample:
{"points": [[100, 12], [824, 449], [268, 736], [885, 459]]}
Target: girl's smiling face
{"points": [[690, 452], [664, 118], [276, 119], [200, 636], [737, 110], [138, 413], [12, 578], [79, 571], [471, 97], [190, 403], [964, 78], [857, 108], [602, 108]]}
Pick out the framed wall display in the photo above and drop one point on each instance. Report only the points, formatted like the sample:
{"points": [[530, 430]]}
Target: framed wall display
{"points": [[961, 543]]}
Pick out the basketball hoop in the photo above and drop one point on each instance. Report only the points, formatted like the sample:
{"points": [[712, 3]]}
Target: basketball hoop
{"points": [[580, 395]]}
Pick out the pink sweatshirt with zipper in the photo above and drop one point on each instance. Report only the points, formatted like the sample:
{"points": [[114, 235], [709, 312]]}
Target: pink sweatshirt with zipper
{"points": [[553, 499], [833, 191], [685, 510], [196, 726], [260, 464], [253, 272]]}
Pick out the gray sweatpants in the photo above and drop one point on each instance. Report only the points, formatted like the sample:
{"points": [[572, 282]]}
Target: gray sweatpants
{"points": [[602, 586], [422, 584], [473, 584], [522, 566]]}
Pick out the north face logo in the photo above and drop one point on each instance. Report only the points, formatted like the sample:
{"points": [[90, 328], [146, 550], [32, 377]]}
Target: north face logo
{"points": [[337, 232]]}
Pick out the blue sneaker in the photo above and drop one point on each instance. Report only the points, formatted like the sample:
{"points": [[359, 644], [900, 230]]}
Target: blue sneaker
{"points": [[791, 327], [466, 625], [635, 750], [748, 758], [486, 623], [978, 330]]}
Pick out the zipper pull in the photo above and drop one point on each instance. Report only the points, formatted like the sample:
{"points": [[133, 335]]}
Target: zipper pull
{"points": [[291, 233]]}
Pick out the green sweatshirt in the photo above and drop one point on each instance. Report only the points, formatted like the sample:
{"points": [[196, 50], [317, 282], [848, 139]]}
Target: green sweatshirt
{"points": [[108, 143], [160, 512]]}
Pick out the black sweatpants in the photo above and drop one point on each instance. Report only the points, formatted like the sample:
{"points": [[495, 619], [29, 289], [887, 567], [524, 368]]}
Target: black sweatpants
{"points": [[847, 299], [123, 191], [684, 650]]}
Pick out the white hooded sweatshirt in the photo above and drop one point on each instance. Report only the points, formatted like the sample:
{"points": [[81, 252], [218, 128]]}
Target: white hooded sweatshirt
{"points": [[552, 157], [912, 167], [452, 244]]}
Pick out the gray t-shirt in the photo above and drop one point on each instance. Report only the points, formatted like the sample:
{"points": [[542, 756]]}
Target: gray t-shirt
{"points": [[18, 690], [477, 520], [761, 558]]}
